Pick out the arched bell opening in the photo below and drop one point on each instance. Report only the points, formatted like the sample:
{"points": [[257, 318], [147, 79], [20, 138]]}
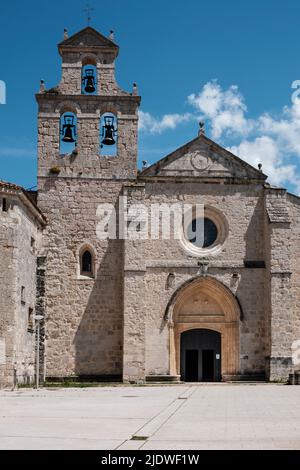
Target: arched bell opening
{"points": [[108, 135], [68, 132], [89, 80]]}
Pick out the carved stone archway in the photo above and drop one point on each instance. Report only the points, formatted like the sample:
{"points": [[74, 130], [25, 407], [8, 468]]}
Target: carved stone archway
{"points": [[205, 303]]}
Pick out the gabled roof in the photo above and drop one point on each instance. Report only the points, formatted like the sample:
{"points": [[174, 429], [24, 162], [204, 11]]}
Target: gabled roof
{"points": [[203, 158], [89, 38], [6, 185], [27, 198]]}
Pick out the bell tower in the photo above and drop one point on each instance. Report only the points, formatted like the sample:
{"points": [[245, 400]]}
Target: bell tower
{"points": [[87, 125], [87, 152]]}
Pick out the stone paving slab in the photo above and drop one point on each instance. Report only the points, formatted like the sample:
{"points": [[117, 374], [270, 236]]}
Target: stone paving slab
{"points": [[202, 416], [50, 443]]}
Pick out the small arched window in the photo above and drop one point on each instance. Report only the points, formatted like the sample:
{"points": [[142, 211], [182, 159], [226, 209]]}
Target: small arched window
{"points": [[86, 264]]}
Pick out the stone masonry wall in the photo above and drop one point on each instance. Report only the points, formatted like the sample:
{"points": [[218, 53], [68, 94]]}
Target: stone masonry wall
{"points": [[88, 161], [280, 287], [150, 262], [84, 316], [136, 298], [7, 300], [70, 83], [26, 256], [294, 207], [19, 264]]}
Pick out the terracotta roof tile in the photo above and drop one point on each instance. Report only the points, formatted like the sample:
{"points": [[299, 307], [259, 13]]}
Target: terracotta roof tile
{"points": [[5, 184]]}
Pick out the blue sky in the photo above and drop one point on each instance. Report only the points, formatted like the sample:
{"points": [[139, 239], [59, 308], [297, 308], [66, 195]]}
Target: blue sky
{"points": [[231, 63]]}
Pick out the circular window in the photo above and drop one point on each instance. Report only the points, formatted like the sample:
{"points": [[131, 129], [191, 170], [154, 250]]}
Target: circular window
{"points": [[202, 232], [204, 235]]}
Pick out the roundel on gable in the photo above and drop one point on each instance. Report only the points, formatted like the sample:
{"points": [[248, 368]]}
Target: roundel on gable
{"points": [[200, 162]]}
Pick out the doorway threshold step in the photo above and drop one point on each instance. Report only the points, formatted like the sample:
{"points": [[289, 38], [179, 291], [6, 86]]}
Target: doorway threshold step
{"points": [[163, 378]]}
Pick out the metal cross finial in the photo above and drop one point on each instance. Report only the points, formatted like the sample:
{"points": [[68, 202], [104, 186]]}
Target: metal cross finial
{"points": [[88, 10]]}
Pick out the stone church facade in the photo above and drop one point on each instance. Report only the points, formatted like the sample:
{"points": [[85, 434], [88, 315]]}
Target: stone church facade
{"points": [[146, 308]]}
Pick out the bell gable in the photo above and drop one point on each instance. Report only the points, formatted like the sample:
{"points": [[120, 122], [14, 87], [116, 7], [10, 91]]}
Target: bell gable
{"points": [[88, 38]]}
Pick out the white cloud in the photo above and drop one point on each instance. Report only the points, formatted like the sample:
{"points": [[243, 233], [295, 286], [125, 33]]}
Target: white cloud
{"points": [[286, 129], [276, 144], [266, 151], [153, 125], [225, 109], [271, 140], [260, 150]]}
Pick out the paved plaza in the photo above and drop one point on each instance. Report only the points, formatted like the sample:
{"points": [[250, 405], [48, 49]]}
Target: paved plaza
{"points": [[202, 416]]}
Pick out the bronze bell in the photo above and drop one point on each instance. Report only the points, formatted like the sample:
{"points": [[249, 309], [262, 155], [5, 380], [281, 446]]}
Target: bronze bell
{"points": [[108, 131], [89, 81], [68, 129]]}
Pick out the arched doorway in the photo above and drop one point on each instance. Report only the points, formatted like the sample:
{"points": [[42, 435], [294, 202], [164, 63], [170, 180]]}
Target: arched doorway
{"points": [[205, 303], [200, 356]]}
